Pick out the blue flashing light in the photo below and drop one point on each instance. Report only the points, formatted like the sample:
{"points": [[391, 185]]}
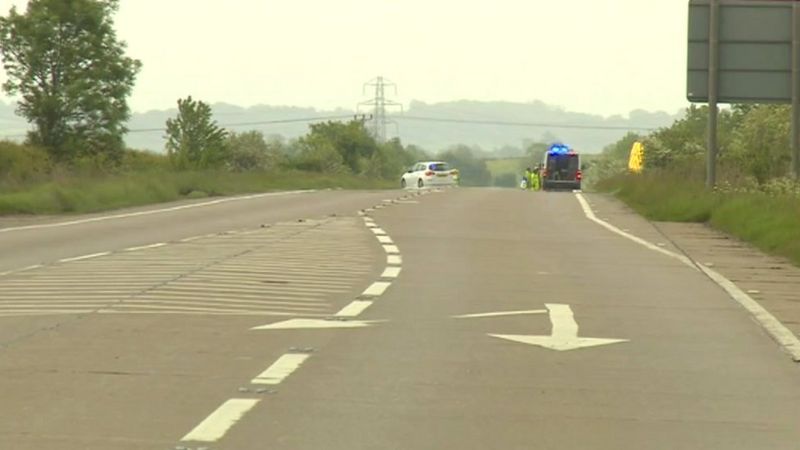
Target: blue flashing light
{"points": [[558, 149]]}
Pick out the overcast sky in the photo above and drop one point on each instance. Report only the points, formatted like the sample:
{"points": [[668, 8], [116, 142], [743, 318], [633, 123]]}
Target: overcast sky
{"points": [[597, 56]]}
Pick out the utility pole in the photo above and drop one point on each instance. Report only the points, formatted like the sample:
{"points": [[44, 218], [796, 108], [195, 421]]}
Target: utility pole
{"points": [[379, 105]]}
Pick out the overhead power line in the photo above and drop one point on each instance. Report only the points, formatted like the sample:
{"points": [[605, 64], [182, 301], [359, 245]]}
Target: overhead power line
{"points": [[258, 123], [523, 124]]}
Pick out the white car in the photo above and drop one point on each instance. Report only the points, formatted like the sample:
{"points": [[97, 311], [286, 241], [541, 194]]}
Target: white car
{"points": [[431, 173]]}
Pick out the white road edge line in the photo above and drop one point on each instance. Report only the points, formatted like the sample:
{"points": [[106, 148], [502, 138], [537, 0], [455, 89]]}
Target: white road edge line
{"points": [[24, 269], [84, 257], [151, 211], [214, 427], [591, 216], [281, 369], [501, 314], [145, 247], [773, 326], [354, 309]]}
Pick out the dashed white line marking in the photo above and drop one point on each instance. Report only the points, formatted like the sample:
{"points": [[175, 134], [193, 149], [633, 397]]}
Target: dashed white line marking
{"points": [[281, 369], [214, 427], [149, 212], [378, 231], [354, 309], [782, 335], [394, 259], [377, 288], [84, 257], [385, 239], [190, 239], [145, 247], [391, 272], [391, 249]]}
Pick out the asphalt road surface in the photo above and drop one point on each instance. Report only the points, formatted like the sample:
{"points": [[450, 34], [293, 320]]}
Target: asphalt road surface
{"points": [[454, 319]]}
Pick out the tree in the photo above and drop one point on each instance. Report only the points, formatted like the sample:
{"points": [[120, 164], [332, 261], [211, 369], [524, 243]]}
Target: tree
{"points": [[64, 61], [351, 140], [194, 140], [251, 151], [317, 154], [760, 145], [473, 171]]}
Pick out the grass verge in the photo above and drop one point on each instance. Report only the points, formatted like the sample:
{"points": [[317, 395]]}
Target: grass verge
{"points": [[83, 195], [770, 222]]}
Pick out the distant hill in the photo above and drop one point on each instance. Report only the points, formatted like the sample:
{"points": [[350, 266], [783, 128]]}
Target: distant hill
{"points": [[496, 127]]}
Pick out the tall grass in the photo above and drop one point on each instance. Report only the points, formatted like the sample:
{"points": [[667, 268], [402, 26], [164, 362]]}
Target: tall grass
{"points": [[771, 222], [30, 183], [90, 194]]}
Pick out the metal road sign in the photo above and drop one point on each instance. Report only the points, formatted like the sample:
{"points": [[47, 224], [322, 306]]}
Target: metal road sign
{"points": [[755, 51], [744, 51]]}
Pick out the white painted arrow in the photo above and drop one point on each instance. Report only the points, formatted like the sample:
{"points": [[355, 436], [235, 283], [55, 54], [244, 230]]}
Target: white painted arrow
{"points": [[564, 335]]}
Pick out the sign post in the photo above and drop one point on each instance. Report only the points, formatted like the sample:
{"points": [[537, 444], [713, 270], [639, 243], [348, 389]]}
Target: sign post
{"points": [[713, 91], [795, 149]]}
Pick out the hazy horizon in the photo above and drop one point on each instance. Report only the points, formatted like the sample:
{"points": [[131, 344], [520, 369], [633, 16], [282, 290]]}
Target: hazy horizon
{"points": [[584, 56]]}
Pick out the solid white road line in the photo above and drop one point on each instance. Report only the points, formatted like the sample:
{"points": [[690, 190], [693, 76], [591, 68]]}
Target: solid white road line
{"points": [[377, 288], [354, 309], [391, 272], [150, 212], [773, 326], [308, 324], [391, 249], [394, 259], [84, 257], [502, 313], [220, 421], [24, 269], [281, 369], [587, 210], [145, 247]]}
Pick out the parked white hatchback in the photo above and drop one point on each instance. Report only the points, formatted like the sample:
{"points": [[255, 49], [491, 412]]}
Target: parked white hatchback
{"points": [[431, 173]]}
